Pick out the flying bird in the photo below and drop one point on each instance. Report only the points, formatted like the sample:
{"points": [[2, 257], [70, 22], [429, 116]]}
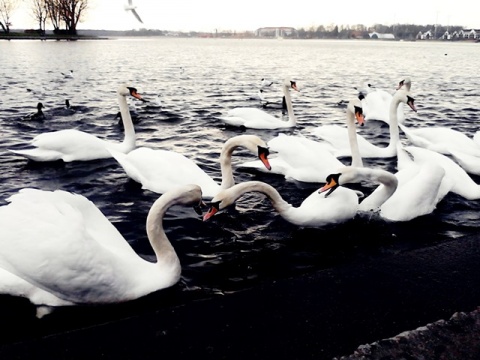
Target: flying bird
{"points": [[131, 7]]}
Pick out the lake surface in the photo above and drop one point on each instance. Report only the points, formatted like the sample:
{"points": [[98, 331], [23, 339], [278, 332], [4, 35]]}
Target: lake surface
{"points": [[189, 83]]}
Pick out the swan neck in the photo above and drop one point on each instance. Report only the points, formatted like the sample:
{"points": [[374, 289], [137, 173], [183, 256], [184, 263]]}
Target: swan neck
{"points": [[288, 101], [163, 249], [388, 181], [278, 203], [393, 129], [129, 131], [226, 162], [352, 138]]}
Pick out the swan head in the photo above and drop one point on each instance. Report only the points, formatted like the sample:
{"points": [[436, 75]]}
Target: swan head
{"points": [[405, 96], [356, 108], [222, 200], [254, 144], [129, 90], [191, 195], [290, 84], [406, 82], [333, 182]]}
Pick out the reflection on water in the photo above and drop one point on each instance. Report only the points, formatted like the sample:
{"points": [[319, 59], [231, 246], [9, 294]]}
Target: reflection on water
{"points": [[189, 83]]}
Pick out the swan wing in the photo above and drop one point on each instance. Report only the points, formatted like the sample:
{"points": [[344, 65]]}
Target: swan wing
{"points": [[252, 118], [461, 183], [67, 145], [470, 163], [317, 210], [56, 240], [299, 158], [161, 170], [416, 196]]}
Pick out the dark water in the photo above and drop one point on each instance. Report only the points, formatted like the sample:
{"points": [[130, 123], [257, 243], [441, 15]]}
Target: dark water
{"points": [[195, 81]]}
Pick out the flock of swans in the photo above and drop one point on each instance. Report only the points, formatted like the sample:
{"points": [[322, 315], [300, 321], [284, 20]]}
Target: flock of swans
{"points": [[58, 249]]}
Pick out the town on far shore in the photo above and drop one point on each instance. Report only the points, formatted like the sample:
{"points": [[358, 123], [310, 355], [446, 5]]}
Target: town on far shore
{"points": [[378, 32]]}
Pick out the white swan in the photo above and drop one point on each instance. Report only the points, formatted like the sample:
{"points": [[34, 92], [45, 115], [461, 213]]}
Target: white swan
{"points": [[413, 191], [307, 160], [160, 170], [351, 174], [259, 119], [74, 145], [376, 104], [337, 137], [316, 210], [70, 254]]}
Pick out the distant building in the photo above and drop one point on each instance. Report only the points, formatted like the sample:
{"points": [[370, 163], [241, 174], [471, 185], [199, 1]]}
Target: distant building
{"points": [[472, 34], [464, 34], [382, 36], [276, 32], [427, 35]]}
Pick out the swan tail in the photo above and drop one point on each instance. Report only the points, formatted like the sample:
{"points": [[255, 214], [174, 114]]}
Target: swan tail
{"points": [[38, 154]]}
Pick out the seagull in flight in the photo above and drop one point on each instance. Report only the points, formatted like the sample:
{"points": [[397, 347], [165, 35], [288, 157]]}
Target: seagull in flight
{"points": [[131, 7]]}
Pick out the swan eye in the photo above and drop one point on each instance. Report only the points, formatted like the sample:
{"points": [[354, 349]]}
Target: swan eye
{"points": [[410, 100], [214, 204], [263, 151]]}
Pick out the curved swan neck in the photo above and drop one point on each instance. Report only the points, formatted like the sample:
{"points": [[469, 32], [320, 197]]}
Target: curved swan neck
{"points": [[273, 195], [388, 181], [352, 138], [163, 249], [226, 161], [129, 131], [288, 102]]}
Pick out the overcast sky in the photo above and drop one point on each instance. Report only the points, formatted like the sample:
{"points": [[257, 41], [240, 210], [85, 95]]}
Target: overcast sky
{"points": [[208, 15]]}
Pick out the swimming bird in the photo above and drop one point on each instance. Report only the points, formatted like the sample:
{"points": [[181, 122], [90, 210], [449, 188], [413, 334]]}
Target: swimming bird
{"points": [[159, 170], [74, 145], [376, 104], [71, 254], [337, 137], [259, 119], [265, 83], [68, 74], [132, 8], [306, 160], [352, 174], [413, 191], [316, 211], [39, 115]]}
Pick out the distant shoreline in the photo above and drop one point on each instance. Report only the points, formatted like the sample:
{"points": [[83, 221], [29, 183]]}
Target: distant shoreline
{"points": [[22, 36], [15, 35]]}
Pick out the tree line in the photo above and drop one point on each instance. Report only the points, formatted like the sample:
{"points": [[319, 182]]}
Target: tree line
{"points": [[63, 15]]}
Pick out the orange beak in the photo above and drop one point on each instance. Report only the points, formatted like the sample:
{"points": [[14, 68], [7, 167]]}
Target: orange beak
{"points": [[212, 211]]}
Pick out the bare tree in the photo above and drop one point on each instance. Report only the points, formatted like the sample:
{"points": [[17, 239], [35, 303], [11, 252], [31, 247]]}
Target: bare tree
{"points": [[53, 13], [40, 13], [6, 9], [71, 12]]}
